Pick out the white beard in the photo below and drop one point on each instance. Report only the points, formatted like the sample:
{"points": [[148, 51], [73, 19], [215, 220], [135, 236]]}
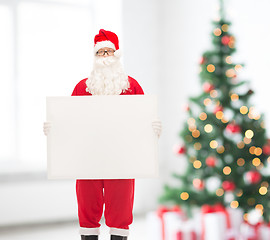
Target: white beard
{"points": [[107, 77]]}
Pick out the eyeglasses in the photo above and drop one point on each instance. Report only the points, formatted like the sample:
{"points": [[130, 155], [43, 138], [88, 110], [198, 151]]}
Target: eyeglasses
{"points": [[101, 52]]}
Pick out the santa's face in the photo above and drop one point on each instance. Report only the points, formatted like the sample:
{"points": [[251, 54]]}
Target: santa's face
{"points": [[107, 76]]}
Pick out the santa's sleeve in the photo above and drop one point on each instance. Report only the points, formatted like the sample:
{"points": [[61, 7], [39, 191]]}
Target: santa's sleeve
{"points": [[74, 93], [79, 88], [136, 86]]}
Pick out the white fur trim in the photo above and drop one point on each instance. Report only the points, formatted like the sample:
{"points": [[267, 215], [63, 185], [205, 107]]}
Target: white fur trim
{"points": [[103, 44], [119, 232], [89, 231], [118, 53]]}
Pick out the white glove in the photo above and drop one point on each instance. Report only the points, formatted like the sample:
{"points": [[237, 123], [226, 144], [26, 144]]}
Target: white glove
{"points": [[157, 126], [46, 128]]}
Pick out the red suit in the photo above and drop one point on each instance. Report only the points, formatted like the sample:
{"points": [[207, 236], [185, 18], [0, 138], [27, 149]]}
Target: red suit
{"points": [[118, 194]]}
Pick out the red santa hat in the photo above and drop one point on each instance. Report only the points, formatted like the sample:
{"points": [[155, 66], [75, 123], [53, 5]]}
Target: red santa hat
{"points": [[106, 39]]}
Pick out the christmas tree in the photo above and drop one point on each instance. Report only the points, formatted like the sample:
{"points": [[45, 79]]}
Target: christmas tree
{"points": [[224, 138]]}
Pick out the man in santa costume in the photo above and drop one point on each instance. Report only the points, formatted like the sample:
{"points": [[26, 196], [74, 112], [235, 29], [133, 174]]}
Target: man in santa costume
{"points": [[107, 78]]}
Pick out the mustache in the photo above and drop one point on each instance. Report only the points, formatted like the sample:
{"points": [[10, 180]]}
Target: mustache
{"points": [[104, 61]]}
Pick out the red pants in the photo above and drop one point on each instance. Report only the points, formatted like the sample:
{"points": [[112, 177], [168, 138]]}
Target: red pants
{"points": [[118, 196]]}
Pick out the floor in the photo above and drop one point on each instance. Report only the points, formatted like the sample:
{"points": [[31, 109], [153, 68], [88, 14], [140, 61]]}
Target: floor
{"points": [[66, 231]]}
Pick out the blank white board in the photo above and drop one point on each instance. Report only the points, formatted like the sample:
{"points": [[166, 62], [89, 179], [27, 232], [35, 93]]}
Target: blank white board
{"points": [[102, 137]]}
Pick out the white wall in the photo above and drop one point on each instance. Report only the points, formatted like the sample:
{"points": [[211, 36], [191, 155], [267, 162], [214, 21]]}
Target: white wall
{"points": [[141, 61], [37, 200]]}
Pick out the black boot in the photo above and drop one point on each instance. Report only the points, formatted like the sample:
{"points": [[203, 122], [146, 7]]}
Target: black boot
{"points": [[115, 237], [89, 237]]}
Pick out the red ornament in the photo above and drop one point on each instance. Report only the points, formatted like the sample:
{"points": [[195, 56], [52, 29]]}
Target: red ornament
{"points": [[179, 149], [198, 184], [225, 40], [233, 128], [203, 60], [186, 107], [228, 186], [208, 87], [253, 177], [266, 149], [182, 150], [218, 108], [211, 161]]}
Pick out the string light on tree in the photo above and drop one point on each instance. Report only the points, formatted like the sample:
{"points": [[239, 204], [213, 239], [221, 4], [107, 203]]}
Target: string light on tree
{"points": [[211, 68], [247, 140], [191, 121], [257, 117], [231, 42], [263, 190], [245, 217], [219, 192], [227, 170], [217, 32], [203, 116], [213, 144], [224, 120], [234, 204], [188, 138], [239, 193], [220, 149], [213, 93], [256, 162], [251, 201], [225, 27], [257, 151], [230, 73], [249, 134], [192, 128], [241, 145], [228, 59], [252, 149], [184, 196], [243, 110], [207, 101], [259, 207], [234, 97], [219, 114], [208, 128], [265, 184], [197, 164], [197, 146], [240, 162], [238, 67], [196, 133]]}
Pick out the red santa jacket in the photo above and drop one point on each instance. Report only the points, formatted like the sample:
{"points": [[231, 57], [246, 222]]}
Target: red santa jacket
{"points": [[134, 88]]}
